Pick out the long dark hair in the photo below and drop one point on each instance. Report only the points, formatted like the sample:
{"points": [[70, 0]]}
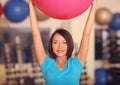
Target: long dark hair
{"points": [[67, 36]]}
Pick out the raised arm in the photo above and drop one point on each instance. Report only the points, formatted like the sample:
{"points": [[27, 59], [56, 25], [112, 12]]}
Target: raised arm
{"points": [[83, 49], [37, 41]]}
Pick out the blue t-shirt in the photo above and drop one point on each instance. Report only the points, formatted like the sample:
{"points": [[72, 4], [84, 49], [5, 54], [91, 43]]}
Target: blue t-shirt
{"points": [[69, 75]]}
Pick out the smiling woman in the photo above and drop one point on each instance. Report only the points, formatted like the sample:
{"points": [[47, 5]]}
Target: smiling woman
{"points": [[59, 67], [63, 37]]}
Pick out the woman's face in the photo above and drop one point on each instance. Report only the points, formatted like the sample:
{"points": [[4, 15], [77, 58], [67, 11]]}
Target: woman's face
{"points": [[59, 46]]}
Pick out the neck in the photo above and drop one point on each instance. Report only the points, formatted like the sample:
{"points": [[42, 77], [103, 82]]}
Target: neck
{"points": [[61, 60]]}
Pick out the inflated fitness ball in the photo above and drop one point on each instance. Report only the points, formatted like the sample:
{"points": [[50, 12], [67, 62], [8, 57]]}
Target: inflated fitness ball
{"points": [[1, 9], [16, 10], [62, 9], [103, 16], [115, 23], [101, 76], [40, 16]]}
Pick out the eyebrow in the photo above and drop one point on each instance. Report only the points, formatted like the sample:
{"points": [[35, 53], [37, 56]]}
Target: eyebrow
{"points": [[62, 40]]}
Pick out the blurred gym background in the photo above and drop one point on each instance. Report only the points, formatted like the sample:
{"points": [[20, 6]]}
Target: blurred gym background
{"points": [[18, 64]]}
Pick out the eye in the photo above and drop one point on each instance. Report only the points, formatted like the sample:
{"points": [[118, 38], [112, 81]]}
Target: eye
{"points": [[64, 42], [54, 42]]}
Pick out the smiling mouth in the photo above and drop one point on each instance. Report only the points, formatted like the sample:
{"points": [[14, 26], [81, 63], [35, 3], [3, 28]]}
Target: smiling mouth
{"points": [[60, 51]]}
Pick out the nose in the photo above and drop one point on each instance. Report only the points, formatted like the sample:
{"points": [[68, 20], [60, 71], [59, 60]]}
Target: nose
{"points": [[59, 45]]}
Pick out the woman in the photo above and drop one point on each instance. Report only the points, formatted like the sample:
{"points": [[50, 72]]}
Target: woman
{"points": [[59, 68]]}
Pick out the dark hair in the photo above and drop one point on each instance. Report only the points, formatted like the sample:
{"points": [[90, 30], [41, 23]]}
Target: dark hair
{"points": [[64, 33]]}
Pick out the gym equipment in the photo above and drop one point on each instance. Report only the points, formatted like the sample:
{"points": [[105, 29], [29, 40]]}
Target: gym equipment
{"points": [[6, 37], [101, 76], [21, 70], [105, 44], [98, 44], [16, 10], [117, 77], [9, 65], [37, 74], [103, 16], [62, 9], [98, 50], [114, 82], [84, 80], [114, 71], [114, 59], [1, 47], [115, 23], [1, 9]]}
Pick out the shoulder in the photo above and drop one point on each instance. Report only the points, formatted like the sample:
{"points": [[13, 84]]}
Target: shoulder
{"points": [[75, 60], [47, 60]]}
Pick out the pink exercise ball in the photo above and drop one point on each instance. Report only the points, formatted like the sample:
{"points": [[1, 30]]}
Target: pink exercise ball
{"points": [[103, 16], [62, 9], [40, 15]]}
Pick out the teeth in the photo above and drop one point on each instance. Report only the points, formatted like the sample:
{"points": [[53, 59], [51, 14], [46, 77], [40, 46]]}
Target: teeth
{"points": [[60, 51]]}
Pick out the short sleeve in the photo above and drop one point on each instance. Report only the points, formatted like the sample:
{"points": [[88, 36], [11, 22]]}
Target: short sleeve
{"points": [[77, 62], [45, 65]]}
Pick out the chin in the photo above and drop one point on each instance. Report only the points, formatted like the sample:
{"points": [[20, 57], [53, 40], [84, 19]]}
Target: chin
{"points": [[61, 55]]}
